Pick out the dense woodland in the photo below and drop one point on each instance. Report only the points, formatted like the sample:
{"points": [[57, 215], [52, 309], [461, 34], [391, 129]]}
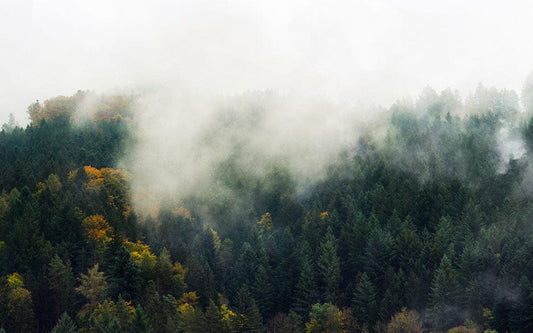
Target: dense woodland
{"points": [[423, 226]]}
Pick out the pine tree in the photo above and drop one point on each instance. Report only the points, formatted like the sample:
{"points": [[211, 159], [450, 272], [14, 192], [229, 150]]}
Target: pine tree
{"points": [[249, 318], [329, 267], [62, 284], [444, 292], [123, 275], [65, 325], [140, 322], [365, 302], [199, 277], [306, 292], [213, 318]]}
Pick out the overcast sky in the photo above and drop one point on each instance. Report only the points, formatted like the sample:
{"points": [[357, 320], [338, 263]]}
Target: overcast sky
{"points": [[373, 51]]}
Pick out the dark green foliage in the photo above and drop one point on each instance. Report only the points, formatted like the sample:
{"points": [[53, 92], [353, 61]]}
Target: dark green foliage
{"points": [[430, 213], [365, 301], [123, 275], [140, 322], [65, 325], [306, 292], [445, 304], [199, 278], [213, 318], [61, 281], [248, 318], [329, 267]]}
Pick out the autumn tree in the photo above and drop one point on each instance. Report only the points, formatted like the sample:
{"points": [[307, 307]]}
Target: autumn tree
{"points": [[19, 315], [405, 321]]}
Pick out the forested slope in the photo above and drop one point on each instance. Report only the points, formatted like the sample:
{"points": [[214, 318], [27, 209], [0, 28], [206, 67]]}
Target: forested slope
{"points": [[425, 222]]}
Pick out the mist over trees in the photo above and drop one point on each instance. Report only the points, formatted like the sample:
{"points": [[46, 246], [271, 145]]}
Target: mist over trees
{"points": [[422, 223]]}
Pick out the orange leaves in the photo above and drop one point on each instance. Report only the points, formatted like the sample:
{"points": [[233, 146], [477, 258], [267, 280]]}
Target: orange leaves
{"points": [[95, 178], [105, 174], [97, 229]]}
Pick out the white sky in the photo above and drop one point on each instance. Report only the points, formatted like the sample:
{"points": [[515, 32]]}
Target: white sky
{"points": [[372, 51]]}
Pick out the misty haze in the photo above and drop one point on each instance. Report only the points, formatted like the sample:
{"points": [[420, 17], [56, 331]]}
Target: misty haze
{"points": [[246, 166]]}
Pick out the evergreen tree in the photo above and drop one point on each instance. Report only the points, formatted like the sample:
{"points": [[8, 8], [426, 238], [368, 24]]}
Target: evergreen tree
{"points": [[444, 296], [329, 267], [306, 292], [123, 275], [62, 284], [249, 318], [365, 301], [65, 325], [213, 318], [140, 322]]}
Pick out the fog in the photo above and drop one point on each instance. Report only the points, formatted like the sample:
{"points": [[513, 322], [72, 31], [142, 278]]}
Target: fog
{"points": [[290, 82], [183, 142], [366, 52]]}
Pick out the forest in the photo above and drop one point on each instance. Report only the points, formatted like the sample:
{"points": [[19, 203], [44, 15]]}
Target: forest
{"points": [[423, 224]]}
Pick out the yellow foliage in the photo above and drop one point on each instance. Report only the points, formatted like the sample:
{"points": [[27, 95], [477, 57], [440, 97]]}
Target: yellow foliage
{"points": [[40, 189], [216, 238], [313, 326], [114, 182], [131, 308], [178, 269], [19, 303], [127, 211], [53, 108], [227, 315], [189, 298], [405, 321], [324, 215], [112, 307], [72, 174], [266, 222], [14, 281], [462, 329], [107, 306], [98, 108], [185, 308], [140, 252]]}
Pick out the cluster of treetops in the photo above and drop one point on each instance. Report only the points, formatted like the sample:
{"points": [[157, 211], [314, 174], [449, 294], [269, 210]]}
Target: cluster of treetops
{"points": [[424, 228]]}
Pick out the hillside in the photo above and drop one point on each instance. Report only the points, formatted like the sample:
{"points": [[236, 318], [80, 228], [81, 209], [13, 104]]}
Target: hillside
{"points": [[424, 221]]}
